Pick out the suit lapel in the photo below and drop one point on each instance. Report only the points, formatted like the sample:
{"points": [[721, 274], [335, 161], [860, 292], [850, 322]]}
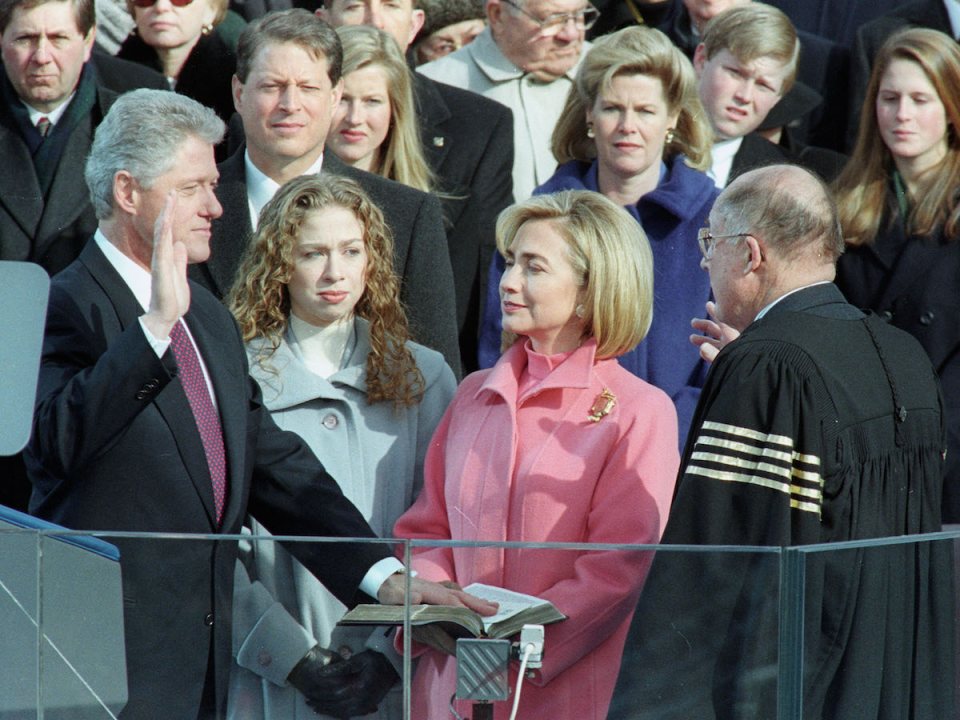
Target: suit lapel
{"points": [[19, 187], [172, 402], [432, 112], [903, 266], [69, 195]]}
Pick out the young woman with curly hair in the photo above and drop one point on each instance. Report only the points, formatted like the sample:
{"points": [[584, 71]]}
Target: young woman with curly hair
{"points": [[317, 302]]}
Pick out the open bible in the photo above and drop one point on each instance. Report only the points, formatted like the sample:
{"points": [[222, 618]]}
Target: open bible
{"points": [[516, 610]]}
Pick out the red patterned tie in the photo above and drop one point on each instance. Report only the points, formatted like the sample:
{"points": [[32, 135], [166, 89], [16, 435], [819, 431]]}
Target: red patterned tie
{"points": [[195, 386], [43, 126]]}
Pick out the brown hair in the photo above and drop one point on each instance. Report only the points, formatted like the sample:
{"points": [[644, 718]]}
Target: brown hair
{"points": [[861, 189], [84, 12], [260, 299], [753, 31], [298, 26]]}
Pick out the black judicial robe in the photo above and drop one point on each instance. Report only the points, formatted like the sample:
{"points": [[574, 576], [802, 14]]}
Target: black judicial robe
{"points": [[818, 424]]}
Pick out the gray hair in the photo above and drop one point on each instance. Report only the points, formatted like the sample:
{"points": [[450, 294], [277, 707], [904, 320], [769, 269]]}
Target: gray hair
{"points": [[141, 134], [790, 207]]}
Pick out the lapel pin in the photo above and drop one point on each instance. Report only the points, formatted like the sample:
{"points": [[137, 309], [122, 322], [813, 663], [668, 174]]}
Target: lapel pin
{"points": [[602, 406]]}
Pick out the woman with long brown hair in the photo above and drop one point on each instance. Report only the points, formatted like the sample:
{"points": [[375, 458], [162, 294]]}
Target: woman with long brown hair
{"points": [[318, 305], [899, 203]]}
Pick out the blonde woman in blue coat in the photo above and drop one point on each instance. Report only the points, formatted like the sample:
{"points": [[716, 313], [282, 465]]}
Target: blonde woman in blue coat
{"points": [[317, 301]]}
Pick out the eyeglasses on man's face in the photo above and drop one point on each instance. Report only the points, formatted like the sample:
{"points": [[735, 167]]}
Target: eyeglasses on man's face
{"points": [[708, 241], [553, 24]]}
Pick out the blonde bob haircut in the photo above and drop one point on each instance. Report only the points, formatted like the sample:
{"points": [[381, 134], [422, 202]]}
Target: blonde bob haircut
{"points": [[610, 255], [260, 299], [401, 154], [753, 31], [861, 190], [635, 51]]}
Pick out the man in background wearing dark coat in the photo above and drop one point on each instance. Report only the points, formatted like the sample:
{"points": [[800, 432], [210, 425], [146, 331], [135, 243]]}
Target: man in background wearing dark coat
{"points": [[817, 424], [148, 421], [286, 89], [52, 101]]}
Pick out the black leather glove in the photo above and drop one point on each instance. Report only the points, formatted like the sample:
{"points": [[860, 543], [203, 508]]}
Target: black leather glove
{"points": [[346, 688], [301, 677]]}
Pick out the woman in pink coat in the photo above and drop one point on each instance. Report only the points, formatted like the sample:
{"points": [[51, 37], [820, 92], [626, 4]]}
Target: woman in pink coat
{"points": [[555, 443]]}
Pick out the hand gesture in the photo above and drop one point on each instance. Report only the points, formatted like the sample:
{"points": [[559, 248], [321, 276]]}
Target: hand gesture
{"points": [[170, 291], [431, 593], [716, 334], [344, 688]]}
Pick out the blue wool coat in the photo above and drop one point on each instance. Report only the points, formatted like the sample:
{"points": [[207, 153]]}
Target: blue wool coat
{"points": [[670, 215]]}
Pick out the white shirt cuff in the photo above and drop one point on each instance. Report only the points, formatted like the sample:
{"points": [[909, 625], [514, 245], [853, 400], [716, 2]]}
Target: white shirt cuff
{"points": [[379, 572], [159, 346]]}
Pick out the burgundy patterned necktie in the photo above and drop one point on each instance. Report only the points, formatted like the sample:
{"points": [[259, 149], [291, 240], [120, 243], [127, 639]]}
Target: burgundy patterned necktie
{"points": [[43, 126], [195, 386]]}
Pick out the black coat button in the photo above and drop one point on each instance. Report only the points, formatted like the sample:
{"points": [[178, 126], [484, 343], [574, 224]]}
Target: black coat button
{"points": [[208, 620], [886, 315], [927, 318]]}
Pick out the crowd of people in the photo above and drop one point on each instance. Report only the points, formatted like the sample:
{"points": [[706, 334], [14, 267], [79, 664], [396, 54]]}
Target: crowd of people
{"points": [[374, 269]]}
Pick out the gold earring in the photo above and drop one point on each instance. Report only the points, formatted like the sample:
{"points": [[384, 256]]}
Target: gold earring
{"points": [[590, 130], [207, 29], [669, 137]]}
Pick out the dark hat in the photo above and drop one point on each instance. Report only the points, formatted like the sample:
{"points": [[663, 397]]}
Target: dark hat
{"points": [[441, 13], [799, 100]]}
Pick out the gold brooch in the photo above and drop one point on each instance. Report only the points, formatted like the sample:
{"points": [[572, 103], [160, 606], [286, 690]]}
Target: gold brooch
{"points": [[602, 406]]}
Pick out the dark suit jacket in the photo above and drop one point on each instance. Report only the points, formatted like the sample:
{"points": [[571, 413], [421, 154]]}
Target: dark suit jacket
{"points": [[914, 284], [420, 256], [756, 152], [871, 36], [468, 140], [122, 75], [115, 447], [52, 231]]}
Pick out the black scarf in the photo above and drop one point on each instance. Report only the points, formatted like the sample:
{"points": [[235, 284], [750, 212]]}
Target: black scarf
{"points": [[46, 151]]}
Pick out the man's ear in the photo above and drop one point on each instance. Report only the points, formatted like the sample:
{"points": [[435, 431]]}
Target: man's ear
{"points": [[126, 193], [88, 43], [237, 93], [494, 11], [699, 59], [418, 19], [755, 255]]}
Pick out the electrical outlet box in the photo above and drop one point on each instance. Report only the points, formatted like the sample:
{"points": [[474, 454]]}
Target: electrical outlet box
{"points": [[482, 669]]}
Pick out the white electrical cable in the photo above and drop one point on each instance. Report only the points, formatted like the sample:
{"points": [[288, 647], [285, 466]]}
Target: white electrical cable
{"points": [[527, 652]]}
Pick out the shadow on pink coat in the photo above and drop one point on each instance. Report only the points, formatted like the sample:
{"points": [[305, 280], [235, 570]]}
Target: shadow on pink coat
{"points": [[535, 469]]}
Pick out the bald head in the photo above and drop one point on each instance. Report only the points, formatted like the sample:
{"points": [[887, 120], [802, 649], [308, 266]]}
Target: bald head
{"points": [[789, 208]]}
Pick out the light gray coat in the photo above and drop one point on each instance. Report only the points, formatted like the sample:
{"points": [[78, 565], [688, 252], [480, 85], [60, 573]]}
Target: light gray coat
{"points": [[376, 456]]}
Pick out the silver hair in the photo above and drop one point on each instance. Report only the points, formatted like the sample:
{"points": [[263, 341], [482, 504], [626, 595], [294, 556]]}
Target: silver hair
{"points": [[789, 206], [141, 134]]}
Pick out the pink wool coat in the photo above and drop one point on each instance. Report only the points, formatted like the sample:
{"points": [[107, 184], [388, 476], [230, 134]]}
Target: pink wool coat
{"points": [[536, 469]]}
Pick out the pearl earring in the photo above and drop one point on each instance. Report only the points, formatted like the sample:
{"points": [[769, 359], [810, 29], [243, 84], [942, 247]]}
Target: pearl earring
{"points": [[590, 130], [580, 310]]}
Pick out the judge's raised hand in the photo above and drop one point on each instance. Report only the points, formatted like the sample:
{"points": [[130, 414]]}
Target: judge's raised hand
{"points": [[170, 291], [391, 592], [716, 334]]}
